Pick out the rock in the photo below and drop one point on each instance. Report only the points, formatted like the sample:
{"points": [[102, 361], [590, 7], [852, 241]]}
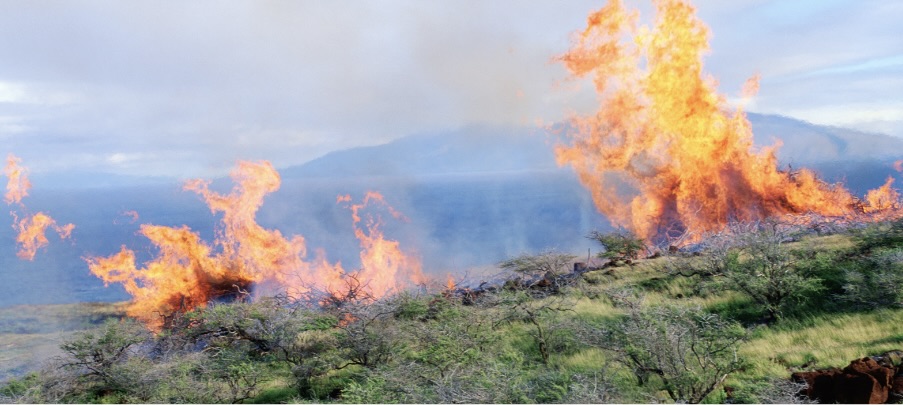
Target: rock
{"points": [[870, 380], [819, 384]]}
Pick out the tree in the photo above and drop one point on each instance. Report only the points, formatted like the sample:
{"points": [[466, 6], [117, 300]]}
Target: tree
{"points": [[619, 246], [538, 312], [765, 271], [689, 350]]}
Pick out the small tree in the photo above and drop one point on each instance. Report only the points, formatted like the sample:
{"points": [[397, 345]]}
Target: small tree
{"points": [[689, 350], [538, 312], [765, 271], [619, 246]]}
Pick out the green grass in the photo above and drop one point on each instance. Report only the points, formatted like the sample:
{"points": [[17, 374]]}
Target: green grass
{"points": [[828, 341]]}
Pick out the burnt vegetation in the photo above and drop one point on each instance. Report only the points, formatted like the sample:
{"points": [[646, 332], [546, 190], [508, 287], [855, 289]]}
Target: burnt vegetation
{"points": [[708, 322]]}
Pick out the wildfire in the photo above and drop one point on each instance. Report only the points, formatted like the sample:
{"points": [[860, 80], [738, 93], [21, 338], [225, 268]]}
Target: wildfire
{"points": [[31, 228], [383, 264], [188, 273], [662, 129]]}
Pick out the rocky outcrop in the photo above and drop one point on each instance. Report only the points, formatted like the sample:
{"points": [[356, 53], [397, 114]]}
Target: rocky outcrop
{"points": [[869, 380]]}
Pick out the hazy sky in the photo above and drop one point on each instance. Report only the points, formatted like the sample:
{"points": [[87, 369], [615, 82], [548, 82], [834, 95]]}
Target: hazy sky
{"points": [[186, 88]]}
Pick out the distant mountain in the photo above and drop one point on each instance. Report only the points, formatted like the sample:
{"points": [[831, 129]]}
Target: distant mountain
{"points": [[471, 149], [805, 143], [486, 149]]}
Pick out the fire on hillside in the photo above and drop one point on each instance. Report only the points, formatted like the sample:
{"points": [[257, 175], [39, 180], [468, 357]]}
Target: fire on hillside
{"points": [[188, 272], [662, 129]]}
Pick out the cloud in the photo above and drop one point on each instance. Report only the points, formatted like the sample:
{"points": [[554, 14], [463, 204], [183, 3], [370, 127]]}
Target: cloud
{"points": [[198, 85]]}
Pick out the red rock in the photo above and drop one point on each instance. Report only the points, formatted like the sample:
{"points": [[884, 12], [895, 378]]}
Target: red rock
{"points": [[864, 381]]}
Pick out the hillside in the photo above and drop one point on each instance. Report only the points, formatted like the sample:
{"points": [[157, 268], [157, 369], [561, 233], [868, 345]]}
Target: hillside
{"points": [[628, 331]]}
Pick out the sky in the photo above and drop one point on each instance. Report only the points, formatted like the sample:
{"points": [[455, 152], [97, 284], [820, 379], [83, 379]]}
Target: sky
{"points": [[184, 89]]}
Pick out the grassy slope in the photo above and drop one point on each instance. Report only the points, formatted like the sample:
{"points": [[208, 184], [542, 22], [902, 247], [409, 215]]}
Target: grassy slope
{"points": [[813, 338], [810, 340]]}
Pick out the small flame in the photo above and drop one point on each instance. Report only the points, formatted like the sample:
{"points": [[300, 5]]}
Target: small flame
{"points": [[31, 228], [32, 236], [882, 199], [898, 165], [450, 283], [17, 181], [384, 266], [662, 129]]}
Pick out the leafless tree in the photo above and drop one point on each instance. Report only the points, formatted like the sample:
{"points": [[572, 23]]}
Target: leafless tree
{"points": [[689, 350]]}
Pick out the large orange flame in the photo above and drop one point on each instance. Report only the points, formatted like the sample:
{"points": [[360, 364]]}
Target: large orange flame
{"points": [[384, 266], [31, 228], [188, 273], [664, 131]]}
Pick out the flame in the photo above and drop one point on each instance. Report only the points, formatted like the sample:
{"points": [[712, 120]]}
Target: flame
{"points": [[17, 182], [450, 283], [187, 272], [31, 228], [662, 129], [384, 267], [882, 199], [898, 165]]}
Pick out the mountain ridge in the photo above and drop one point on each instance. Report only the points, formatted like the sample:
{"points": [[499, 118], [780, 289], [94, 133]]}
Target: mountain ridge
{"points": [[484, 148]]}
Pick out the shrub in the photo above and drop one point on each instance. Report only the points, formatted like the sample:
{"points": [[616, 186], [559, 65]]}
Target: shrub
{"points": [[877, 281]]}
